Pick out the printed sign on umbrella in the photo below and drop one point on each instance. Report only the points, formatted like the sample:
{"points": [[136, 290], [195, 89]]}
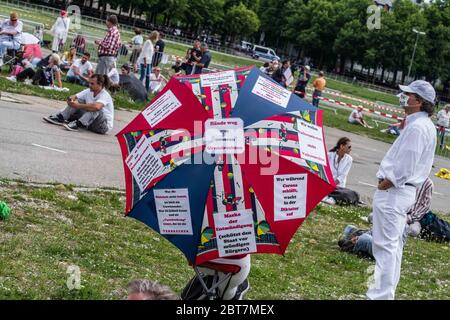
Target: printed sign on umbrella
{"points": [[237, 188], [217, 91]]}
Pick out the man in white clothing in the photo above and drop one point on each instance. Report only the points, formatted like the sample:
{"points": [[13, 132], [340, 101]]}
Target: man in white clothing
{"points": [[356, 117], [404, 168], [92, 108], [80, 71], [60, 30]]}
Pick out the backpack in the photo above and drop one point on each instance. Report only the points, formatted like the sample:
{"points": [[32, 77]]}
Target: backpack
{"points": [[434, 228], [345, 196]]}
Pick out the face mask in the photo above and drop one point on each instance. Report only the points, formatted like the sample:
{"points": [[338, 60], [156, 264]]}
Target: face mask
{"points": [[403, 100]]}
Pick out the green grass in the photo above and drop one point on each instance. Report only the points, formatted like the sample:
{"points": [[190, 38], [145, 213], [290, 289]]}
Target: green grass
{"points": [[358, 92], [52, 228], [339, 120]]}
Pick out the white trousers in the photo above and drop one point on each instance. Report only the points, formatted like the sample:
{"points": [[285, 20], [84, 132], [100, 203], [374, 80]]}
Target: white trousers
{"points": [[57, 37], [389, 221], [230, 286]]}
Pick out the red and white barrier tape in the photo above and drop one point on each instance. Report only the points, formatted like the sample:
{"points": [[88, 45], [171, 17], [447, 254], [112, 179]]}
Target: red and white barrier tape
{"points": [[345, 104], [373, 104]]}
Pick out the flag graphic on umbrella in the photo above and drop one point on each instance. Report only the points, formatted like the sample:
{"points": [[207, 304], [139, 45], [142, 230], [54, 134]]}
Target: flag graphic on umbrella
{"points": [[212, 199]]}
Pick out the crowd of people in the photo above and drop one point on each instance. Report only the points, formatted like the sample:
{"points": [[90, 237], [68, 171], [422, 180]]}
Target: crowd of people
{"points": [[28, 65], [403, 181]]}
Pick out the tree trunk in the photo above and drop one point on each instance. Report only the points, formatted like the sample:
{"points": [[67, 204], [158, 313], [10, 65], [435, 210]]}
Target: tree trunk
{"points": [[342, 66], [394, 80], [403, 76], [321, 61], [382, 75], [374, 74], [131, 12], [352, 64]]}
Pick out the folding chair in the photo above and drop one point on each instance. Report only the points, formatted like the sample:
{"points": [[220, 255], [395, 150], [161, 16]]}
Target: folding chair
{"points": [[206, 287], [10, 57]]}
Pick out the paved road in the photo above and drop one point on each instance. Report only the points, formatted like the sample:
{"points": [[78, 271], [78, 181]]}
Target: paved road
{"points": [[36, 151]]}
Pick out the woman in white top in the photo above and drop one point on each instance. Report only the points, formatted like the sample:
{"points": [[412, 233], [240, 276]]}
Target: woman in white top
{"points": [[340, 161], [157, 80], [145, 58], [60, 29]]}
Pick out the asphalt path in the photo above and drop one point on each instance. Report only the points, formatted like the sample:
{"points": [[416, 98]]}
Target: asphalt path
{"points": [[35, 151]]}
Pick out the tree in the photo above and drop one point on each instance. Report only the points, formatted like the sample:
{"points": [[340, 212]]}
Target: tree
{"points": [[241, 21]]}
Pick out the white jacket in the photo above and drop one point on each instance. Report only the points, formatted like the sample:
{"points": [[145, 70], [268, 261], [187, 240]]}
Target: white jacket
{"points": [[60, 28], [147, 52]]}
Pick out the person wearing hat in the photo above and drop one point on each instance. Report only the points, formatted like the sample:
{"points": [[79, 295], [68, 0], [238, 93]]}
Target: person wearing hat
{"points": [[404, 168], [60, 30], [10, 34], [303, 79]]}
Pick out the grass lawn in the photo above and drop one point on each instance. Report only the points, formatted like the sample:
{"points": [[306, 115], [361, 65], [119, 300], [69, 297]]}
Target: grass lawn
{"points": [[357, 92], [52, 228], [339, 120]]}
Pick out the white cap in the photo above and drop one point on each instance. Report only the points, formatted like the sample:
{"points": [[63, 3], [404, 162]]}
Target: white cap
{"points": [[422, 88], [307, 68]]}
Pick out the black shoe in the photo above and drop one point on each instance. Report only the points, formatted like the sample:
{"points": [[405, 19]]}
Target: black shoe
{"points": [[73, 126], [242, 290], [55, 119]]}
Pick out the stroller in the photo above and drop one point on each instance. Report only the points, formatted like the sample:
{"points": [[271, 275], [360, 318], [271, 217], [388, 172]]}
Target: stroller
{"points": [[12, 57], [212, 281]]}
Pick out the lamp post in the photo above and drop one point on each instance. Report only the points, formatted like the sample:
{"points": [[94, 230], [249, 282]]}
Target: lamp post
{"points": [[415, 46]]}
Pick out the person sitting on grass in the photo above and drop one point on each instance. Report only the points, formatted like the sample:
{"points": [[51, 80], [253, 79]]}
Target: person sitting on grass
{"points": [[340, 163], [394, 128], [80, 71], [177, 67], [92, 108], [421, 222], [47, 76], [68, 58], [113, 76], [157, 81], [129, 83], [356, 117], [79, 42]]}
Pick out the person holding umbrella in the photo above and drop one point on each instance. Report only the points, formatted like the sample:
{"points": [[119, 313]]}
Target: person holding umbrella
{"points": [[60, 29], [404, 168]]}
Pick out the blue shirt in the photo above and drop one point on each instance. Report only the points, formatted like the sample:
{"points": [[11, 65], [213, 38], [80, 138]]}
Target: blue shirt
{"points": [[205, 60]]}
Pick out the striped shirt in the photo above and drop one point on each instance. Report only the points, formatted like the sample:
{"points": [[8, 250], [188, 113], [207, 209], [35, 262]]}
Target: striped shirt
{"points": [[110, 44], [423, 202]]}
